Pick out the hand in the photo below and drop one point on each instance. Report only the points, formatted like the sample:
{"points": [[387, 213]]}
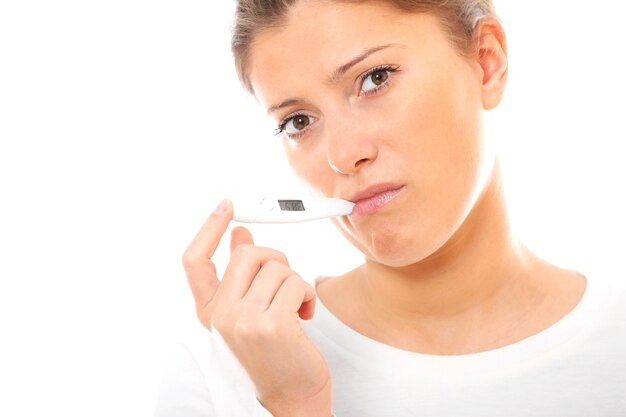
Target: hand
{"points": [[256, 308]]}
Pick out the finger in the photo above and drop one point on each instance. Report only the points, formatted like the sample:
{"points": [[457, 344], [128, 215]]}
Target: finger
{"points": [[203, 246], [293, 296], [240, 236], [264, 287], [199, 268], [307, 309], [245, 263]]}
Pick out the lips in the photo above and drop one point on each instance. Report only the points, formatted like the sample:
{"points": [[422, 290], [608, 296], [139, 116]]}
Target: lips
{"points": [[374, 198]]}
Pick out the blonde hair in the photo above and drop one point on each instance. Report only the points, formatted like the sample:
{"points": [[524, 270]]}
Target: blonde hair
{"points": [[457, 17]]}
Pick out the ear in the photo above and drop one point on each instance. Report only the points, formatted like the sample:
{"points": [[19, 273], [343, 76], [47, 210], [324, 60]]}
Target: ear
{"points": [[492, 58]]}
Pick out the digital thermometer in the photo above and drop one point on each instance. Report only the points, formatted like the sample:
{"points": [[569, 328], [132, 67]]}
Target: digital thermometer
{"points": [[278, 210]]}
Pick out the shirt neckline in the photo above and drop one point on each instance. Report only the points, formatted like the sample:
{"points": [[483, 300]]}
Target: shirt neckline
{"points": [[382, 356]]}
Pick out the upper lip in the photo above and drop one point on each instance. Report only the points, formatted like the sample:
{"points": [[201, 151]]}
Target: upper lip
{"points": [[374, 190]]}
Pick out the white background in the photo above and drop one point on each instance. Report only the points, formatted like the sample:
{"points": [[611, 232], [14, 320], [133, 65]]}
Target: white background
{"points": [[122, 125]]}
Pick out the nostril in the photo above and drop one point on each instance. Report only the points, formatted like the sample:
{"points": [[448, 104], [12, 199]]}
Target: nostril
{"points": [[350, 155]]}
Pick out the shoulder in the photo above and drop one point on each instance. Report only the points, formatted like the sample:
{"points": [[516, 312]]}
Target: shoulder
{"points": [[332, 293], [614, 297], [603, 310], [606, 289]]}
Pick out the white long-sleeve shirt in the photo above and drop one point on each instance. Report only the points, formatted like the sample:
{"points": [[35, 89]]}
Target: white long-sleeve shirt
{"points": [[574, 368]]}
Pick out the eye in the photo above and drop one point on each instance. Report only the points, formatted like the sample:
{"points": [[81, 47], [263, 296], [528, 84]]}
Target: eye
{"points": [[295, 124], [376, 79]]}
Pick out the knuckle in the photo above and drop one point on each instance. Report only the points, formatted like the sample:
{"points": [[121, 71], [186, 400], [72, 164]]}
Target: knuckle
{"points": [[275, 266], [243, 251], [244, 329], [269, 328], [255, 329], [224, 319], [219, 321], [190, 259], [282, 258], [294, 281]]}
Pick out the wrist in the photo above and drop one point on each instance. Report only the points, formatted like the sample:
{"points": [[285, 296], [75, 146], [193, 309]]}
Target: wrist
{"points": [[319, 405], [299, 410]]}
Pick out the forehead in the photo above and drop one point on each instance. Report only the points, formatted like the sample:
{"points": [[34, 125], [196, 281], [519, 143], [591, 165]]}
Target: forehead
{"points": [[318, 36]]}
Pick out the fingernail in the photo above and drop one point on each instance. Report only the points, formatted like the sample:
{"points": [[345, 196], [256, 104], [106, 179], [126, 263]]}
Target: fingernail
{"points": [[221, 208]]}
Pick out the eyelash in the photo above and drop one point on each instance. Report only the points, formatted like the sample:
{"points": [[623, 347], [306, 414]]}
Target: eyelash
{"points": [[281, 127], [390, 68]]}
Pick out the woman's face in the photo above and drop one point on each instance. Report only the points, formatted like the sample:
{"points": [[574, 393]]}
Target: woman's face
{"points": [[376, 106]]}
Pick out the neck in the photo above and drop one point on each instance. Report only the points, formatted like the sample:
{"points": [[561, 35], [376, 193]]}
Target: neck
{"points": [[475, 277]]}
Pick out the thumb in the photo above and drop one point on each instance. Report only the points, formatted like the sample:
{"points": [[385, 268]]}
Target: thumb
{"points": [[307, 309], [240, 235]]}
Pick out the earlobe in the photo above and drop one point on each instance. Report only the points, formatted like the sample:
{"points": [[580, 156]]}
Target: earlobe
{"points": [[493, 61]]}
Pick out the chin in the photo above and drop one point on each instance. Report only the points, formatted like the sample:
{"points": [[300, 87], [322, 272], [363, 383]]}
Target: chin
{"points": [[397, 256], [395, 248]]}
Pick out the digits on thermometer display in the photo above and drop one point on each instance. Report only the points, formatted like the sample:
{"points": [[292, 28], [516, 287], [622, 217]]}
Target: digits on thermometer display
{"points": [[291, 205]]}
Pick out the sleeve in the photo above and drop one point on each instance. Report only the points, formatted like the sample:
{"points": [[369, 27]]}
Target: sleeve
{"points": [[183, 392], [205, 380]]}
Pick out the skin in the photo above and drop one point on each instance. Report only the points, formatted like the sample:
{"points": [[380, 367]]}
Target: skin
{"points": [[443, 271]]}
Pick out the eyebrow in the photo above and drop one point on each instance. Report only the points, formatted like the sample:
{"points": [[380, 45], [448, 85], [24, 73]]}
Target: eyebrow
{"points": [[340, 71], [286, 103], [336, 75]]}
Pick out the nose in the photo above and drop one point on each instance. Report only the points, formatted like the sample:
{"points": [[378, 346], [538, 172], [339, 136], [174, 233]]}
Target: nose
{"points": [[350, 148]]}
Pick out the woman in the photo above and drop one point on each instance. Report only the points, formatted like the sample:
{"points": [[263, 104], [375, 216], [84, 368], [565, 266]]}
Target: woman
{"points": [[380, 103]]}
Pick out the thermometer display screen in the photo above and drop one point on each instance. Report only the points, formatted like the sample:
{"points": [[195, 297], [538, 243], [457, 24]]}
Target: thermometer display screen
{"points": [[291, 205]]}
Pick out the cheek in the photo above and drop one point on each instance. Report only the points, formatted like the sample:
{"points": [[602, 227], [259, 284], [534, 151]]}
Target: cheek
{"points": [[439, 145], [444, 134], [308, 162]]}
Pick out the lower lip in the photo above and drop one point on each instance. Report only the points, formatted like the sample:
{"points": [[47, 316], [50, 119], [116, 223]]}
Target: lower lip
{"points": [[375, 202]]}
